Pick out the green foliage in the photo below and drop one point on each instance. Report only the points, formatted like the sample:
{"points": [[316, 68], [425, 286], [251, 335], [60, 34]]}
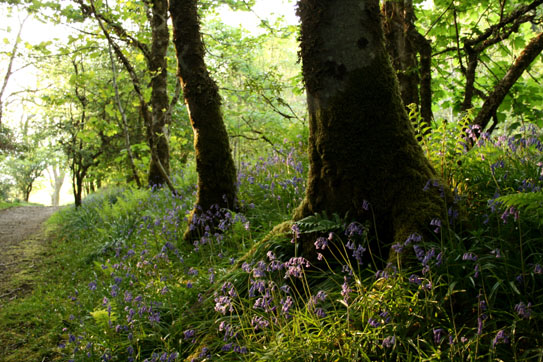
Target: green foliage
{"points": [[530, 203], [320, 223]]}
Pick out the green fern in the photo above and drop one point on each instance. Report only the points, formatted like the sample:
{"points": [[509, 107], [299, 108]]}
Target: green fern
{"points": [[320, 223], [530, 203]]}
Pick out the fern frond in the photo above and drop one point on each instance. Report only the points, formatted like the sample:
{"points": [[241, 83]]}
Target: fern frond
{"points": [[320, 223]]}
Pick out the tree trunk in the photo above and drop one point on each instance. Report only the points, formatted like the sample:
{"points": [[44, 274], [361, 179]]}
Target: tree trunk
{"points": [[158, 68], [56, 182], [403, 43], [214, 162], [362, 146], [399, 16]]}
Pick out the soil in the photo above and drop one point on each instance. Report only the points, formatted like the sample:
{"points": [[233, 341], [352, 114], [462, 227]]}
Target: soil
{"points": [[22, 246]]}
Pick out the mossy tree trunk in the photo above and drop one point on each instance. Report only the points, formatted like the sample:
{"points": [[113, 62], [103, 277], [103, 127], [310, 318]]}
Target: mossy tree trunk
{"points": [[160, 102], [362, 146], [214, 162], [404, 43]]}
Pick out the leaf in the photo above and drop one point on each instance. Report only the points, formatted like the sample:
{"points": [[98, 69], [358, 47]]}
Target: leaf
{"points": [[514, 287]]}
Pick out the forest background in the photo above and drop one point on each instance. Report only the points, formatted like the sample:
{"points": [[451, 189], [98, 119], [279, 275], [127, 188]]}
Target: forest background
{"points": [[109, 114]]}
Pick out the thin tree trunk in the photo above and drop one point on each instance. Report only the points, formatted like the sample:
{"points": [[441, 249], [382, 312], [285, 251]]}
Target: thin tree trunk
{"points": [[158, 68], [9, 70], [123, 120], [214, 162], [56, 183]]}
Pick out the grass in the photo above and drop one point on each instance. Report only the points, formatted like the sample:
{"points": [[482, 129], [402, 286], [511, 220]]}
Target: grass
{"points": [[119, 283], [7, 204]]}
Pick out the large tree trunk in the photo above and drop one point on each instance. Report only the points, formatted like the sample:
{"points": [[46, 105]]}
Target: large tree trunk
{"points": [[214, 162], [158, 67], [362, 146]]}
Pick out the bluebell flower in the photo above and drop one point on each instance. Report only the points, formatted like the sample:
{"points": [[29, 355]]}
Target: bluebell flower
{"points": [[345, 290], [389, 342], [524, 310], [188, 334], [438, 335], [320, 313], [501, 337], [469, 256], [259, 323], [321, 243], [415, 279]]}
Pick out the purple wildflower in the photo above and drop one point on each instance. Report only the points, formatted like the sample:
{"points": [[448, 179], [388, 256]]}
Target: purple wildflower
{"points": [[188, 334], [469, 256], [413, 238], [223, 304], [438, 335], [501, 337], [320, 313], [259, 323], [437, 223], [321, 243], [92, 285], [357, 254], [345, 290], [389, 342], [398, 248], [286, 305], [415, 279], [294, 267], [524, 310], [296, 230]]}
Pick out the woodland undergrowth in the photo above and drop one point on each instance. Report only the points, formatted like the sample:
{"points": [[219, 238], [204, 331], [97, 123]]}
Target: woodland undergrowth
{"points": [[138, 292]]}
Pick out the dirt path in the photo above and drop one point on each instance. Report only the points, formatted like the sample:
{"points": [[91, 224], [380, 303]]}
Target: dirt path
{"points": [[21, 245]]}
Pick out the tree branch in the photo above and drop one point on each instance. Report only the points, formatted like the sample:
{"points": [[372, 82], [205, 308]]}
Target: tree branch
{"points": [[491, 104]]}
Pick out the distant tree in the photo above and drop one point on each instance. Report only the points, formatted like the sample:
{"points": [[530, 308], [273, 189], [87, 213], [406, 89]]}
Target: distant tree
{"points": [[214, 162], [27, 163], [364, 158]]}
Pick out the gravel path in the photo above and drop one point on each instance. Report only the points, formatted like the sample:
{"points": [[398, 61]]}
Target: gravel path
{"points": [[21, 245]]}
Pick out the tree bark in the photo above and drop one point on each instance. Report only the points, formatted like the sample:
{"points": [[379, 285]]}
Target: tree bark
{"points": [[57, 181], [403, 43], [399, 18], [158, 68], [362, 146], [9, 70], [214, 162]]}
